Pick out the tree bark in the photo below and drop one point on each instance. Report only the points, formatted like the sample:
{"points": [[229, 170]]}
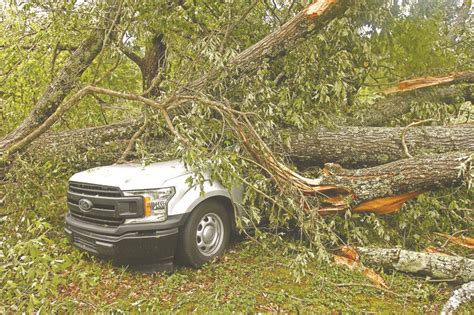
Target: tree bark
{"points": [[88, 147], [349, 146], [398, 103], [369, 146], [434, 265], [81, 140]]}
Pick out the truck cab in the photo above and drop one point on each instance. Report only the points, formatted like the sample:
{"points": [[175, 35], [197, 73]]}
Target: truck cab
{"points": [[148, 215]]}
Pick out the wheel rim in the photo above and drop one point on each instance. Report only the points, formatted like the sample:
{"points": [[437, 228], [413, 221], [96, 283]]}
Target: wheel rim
{"points": [[210, 234]]}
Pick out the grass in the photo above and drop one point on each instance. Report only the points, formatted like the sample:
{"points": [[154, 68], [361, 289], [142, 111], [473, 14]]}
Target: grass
{"points": [[246, 278]]}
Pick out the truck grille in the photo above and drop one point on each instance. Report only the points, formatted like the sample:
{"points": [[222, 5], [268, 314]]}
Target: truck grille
{"points": [[108, 204], [94, 190], [97, 220]]}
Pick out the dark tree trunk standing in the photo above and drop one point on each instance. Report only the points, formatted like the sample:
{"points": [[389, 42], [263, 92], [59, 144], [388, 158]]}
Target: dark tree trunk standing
{"points": [[62, 84], [152, 67], [152, 64], [369, 146], [384, 188], [398, 103]]}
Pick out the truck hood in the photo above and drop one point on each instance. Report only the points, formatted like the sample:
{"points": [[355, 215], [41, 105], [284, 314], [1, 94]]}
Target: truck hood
{"points": [[133, 176]]}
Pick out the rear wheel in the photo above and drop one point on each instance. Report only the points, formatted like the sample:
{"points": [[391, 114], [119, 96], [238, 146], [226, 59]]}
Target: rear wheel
{"points": [[205, 235]]}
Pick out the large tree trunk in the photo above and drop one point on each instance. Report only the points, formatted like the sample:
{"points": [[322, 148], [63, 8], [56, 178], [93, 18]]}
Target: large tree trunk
{"points": [[81, 140], [105, 143], [349, 146], [369, 146], [381, 189], [62, 84], [384, 188]]}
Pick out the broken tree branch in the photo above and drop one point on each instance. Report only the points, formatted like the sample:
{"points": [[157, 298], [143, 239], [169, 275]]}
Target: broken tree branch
{"points": [[404, 132], [428, 264], [423, 82], [399, 99], [385, 188], [314, 17]]}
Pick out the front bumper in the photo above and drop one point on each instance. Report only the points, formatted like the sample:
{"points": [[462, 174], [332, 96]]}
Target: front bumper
{"points": [[142, 244]]}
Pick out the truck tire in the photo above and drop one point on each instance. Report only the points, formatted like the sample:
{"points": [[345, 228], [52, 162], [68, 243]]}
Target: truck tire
{"points": [[205, 235]]}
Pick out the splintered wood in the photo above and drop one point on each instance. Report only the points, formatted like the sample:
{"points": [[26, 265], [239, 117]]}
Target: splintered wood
{"points": [[422, 82], [318, 7]]}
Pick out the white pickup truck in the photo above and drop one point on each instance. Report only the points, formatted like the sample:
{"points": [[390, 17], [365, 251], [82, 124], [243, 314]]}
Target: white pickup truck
{"points": [[147, 215]]}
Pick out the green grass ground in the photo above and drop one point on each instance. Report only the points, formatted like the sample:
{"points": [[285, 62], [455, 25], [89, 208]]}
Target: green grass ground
{"points": [[49, 275]]}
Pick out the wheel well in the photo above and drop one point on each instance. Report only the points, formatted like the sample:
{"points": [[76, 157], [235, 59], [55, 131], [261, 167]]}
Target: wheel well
{"points": [[228, 206]]}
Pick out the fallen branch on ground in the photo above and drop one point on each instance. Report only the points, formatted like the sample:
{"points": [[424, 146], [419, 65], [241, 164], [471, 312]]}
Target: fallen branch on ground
{"points": [[462, 295], [433, 265]]}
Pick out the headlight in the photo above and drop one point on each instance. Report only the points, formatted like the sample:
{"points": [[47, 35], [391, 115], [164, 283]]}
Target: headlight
{"points": [[155, 204]]}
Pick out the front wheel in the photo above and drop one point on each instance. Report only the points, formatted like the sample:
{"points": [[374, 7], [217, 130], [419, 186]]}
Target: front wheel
{"points": [[205, 235]]}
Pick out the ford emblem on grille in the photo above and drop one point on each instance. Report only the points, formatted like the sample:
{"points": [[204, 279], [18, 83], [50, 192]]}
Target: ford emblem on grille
{"points": [[85, 205]]}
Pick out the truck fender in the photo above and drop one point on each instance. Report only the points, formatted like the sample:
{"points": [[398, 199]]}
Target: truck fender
{"points": [[192, 197]]}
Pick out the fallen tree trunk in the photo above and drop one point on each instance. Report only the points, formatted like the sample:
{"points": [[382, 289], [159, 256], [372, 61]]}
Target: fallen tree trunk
{"points": [[369, 146], [399, 100], [381, 189], [384, 189], [433, 265], [84, 139], [111, 140], [348, 146]]}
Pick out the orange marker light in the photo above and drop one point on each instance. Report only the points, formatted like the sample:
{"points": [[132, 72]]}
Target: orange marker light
{"points": [[147, 201]]}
